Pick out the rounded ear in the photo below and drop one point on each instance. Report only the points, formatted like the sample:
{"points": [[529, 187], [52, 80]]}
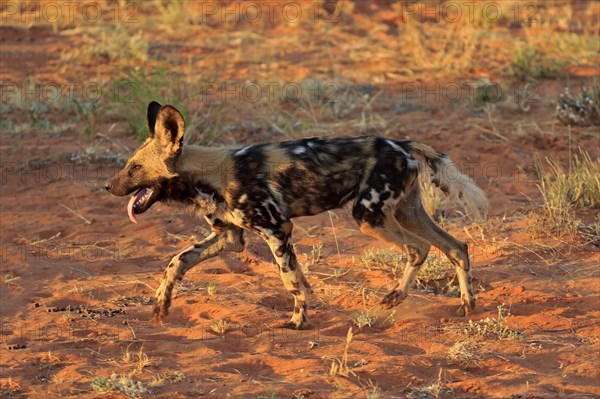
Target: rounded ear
{"points": [[151, 115], [169, 130]]}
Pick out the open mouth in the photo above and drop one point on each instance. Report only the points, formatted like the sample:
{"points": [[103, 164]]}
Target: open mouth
{"points": [[137, 203]]}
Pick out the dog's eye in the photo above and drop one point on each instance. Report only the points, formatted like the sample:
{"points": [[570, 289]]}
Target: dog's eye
{"points": [[133, 168]]}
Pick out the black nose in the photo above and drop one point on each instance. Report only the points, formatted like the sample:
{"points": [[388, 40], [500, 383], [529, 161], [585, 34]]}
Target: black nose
{"points": [[108, 186]]}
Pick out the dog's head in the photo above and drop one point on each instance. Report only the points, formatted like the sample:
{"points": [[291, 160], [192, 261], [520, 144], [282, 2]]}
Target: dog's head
{"points": [[149, 169]]}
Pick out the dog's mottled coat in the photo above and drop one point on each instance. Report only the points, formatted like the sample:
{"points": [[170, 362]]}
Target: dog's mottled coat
{"points": [[261, 187]]}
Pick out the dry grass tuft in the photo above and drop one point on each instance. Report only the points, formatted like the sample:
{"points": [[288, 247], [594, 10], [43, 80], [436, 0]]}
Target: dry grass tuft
{"points": [[211, 289], [114, 43], [564, 191], [219, 326], [436, 390], [340, 367], [139, 360], [465, 353], [435, 276], [382, 259]]}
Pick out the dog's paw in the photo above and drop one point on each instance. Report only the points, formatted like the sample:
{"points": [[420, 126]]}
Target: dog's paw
{"points": [[158, 314], [290, 325], [394, 298], [465, 308]]}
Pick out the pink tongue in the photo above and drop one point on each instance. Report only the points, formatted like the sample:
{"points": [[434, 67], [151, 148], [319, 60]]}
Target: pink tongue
{"points": [[134, 198]]}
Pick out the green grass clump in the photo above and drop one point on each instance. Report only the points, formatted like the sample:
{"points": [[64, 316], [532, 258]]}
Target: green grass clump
{"points": [[139, 87], [531, 64], [119, 384]]}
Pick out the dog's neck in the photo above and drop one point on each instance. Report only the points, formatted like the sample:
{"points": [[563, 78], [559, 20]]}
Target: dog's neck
{"points": [[206, 165]]}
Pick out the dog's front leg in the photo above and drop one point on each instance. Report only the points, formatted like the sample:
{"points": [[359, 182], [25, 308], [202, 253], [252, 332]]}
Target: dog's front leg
{"points": [[230, 240]]}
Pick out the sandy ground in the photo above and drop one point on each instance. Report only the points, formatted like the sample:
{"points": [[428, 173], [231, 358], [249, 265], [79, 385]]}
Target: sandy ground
{"points": [[78, 278]]}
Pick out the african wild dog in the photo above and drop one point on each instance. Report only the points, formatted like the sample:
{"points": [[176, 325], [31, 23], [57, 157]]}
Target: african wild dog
{"points": [[261, 187]]}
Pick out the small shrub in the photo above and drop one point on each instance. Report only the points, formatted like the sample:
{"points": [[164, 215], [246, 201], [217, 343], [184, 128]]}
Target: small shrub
{"points": [[485, 92], [363, 319]]}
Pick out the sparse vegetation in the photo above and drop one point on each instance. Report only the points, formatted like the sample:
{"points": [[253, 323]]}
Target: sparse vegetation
{"points": [[485, 92], [211, 288], [437, 390], [139, 359], [119, 384], [139, 86], [315, 256], [582, 109], [340, 366], [465, 353], [530, 64], [173, 12], [114, 43], [382, 259], [434, 276], [161, 379], [88, 114], [459, 46], [564, 191], [495, 327], [219, 326], [437, 277], [363, 319]]}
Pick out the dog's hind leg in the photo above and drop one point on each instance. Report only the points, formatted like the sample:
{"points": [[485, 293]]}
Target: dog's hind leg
{"points": [[378, 221], [229, 239], [415, 247], [412, 216]]}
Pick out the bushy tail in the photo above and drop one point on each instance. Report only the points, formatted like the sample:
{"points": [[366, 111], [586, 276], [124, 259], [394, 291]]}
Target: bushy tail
{"points": [[448, 177]]}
